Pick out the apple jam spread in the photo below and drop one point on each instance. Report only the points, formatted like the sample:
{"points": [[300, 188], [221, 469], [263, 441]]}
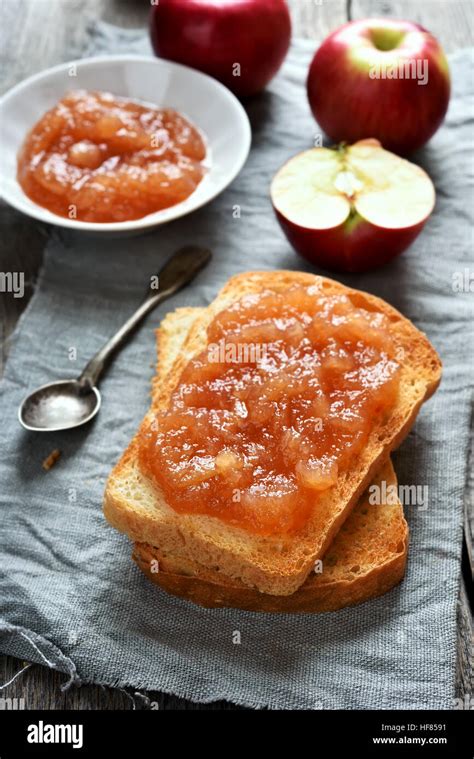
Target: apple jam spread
{"points": [[101, 158], [253, 437]]}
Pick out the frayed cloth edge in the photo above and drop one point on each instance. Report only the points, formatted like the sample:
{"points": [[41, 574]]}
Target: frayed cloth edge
{"points": [[42, 651]]}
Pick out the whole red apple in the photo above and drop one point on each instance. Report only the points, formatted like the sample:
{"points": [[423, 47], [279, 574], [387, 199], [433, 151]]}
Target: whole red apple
{"points": [[351, 208], [240, 42], [380, 78]]}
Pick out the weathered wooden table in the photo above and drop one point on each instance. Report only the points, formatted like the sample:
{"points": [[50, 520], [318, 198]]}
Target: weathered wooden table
{"points": [[36, 34]]}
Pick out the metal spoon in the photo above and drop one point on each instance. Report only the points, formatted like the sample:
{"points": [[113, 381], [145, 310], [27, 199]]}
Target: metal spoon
{"points": [[66, 404]]}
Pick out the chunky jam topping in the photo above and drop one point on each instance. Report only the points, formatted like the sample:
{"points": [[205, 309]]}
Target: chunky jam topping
{"points": [[281, 401], [100, 158]]}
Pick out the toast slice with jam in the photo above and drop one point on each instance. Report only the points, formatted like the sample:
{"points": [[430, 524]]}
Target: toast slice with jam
{"points": [[275, 564]]}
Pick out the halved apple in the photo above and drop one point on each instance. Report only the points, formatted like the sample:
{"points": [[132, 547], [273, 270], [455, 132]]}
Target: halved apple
{"points": [[351, 208]]}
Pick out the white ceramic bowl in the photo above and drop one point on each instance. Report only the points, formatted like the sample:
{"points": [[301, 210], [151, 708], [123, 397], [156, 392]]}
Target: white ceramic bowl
{"points": [[208, 104]]}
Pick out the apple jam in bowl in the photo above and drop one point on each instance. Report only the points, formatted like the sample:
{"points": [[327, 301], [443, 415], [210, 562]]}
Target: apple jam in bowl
{"points": [[129, 161], [257, 430], [100, 158]]}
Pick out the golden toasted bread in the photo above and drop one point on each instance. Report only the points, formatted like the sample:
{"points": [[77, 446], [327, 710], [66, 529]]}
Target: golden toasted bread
{"points": [[276, 565]]}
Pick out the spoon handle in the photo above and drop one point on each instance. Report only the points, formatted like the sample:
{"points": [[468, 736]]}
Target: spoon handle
{"points": [[175, 274]]}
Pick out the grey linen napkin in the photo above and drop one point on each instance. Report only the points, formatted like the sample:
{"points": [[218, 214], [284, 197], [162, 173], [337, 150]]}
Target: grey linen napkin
{"points": [[71, 598]]}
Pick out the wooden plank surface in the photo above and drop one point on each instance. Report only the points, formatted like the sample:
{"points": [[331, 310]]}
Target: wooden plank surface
{"points": [[36, 34], [450, 21]]}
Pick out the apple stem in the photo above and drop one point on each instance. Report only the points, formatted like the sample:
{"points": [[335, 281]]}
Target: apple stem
{"points": [[341, 148]]}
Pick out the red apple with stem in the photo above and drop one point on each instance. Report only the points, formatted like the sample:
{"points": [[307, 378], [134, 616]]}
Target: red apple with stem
{"points": [[240, 42], [380, 78], [351, 208]]}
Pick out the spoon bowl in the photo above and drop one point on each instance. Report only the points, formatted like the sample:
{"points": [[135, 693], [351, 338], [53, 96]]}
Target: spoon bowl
{"points": [[59, 406]]}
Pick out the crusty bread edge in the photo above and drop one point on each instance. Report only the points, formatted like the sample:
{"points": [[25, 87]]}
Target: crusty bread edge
{"points": [[329, 597]]}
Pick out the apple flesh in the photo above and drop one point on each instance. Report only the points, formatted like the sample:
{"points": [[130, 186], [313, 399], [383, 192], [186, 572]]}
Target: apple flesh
{"points": [[380, 78], [240, 42], [351, 208]]}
